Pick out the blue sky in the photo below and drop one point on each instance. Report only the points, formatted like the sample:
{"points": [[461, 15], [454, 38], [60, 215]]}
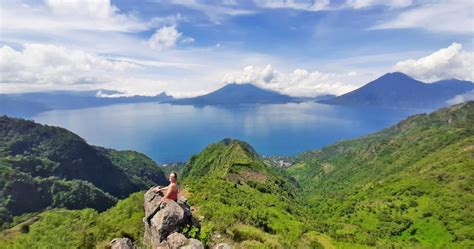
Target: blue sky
{"points": [[189, 47]]}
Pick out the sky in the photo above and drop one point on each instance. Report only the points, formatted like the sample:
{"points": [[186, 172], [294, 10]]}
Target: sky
{"points": [[191, 47]]}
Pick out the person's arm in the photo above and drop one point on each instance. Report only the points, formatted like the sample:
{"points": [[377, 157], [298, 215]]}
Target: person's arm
{"points": [[158, 189]]}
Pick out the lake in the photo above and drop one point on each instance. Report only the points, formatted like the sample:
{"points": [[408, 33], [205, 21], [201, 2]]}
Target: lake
{"points": [[173, 133]]}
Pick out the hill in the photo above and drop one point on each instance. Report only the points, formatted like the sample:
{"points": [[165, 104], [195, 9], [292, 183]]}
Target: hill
{"points": [[234, 94], [409, 185], [397, 90], [241, 199], [44, 166]]}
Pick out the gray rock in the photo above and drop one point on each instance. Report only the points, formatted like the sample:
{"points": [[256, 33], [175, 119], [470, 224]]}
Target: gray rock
{"points": [[172, 217], [176, 240], [163, 245], [121, 243], [223, 246], [193, 244]]}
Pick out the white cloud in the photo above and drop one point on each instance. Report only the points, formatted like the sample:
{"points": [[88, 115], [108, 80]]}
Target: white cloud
{"points": [[41, 67], [300, 82], [215, 11], [164, 38], [90, 8], [319, 5], [311, 5], [461, 98], [359, 4], [447, 16], [57, 15], [39, 64], [450, 62], [187, 40]]}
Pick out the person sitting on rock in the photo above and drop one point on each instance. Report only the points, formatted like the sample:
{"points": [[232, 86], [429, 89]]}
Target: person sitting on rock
{"points": [[170, 195]]}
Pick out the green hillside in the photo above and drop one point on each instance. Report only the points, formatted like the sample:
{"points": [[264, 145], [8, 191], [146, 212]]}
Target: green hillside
{"points": [[241, 199], [407, 186], [86, 228], [410, 185], [49, 167]]}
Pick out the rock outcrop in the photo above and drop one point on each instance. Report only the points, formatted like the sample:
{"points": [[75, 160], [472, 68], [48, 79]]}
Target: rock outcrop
{"points": [[163, 228], [178, 240], [121, 243]]}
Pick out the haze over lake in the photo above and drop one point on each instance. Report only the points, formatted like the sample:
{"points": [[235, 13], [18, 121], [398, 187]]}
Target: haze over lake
{"points": [[173, 133]]}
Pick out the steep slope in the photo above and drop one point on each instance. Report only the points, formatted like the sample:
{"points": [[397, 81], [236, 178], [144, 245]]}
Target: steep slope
{"points": [[233, 94], [398, 90], [56, 163], [408, 185], [243, 200], [142, 170], [236, 161]]}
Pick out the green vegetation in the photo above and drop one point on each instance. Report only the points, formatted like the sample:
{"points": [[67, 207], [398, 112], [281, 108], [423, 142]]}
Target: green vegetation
{"points": [[142, 171], [49, 167], [241, 199], [410, 185], [62, 228]]}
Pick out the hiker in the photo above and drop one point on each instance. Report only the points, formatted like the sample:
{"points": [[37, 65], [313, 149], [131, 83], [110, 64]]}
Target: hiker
{"points": [[170, 195]]}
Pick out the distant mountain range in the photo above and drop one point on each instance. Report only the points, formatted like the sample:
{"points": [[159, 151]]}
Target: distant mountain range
{"points": [[395, 90], [233, 94], [29, 104], [401, 91]]}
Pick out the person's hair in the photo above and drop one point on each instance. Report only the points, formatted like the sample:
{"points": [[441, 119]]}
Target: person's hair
{"points": [[175, 175]]}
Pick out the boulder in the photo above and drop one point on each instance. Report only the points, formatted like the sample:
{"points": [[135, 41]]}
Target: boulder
{"points": [[121, 243], [176, 240], [223, 246], [172, 218], [193, 244]]}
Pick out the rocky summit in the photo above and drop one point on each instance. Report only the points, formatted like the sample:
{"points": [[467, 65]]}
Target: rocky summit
{"points": [[164, 228]]}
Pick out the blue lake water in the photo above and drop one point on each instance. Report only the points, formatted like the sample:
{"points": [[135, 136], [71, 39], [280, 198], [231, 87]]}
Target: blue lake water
{"points": [[173, 133]]}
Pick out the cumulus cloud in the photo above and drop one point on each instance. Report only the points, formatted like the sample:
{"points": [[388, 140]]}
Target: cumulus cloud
{"points": [[164, 38], [450, 62], [57, 15], [300, 82], [49, 64], [39, 67], [447, 16]]}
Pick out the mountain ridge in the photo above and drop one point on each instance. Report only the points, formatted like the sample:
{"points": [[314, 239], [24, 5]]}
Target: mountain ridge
{"points": [[399, 90], [232, 94]]}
